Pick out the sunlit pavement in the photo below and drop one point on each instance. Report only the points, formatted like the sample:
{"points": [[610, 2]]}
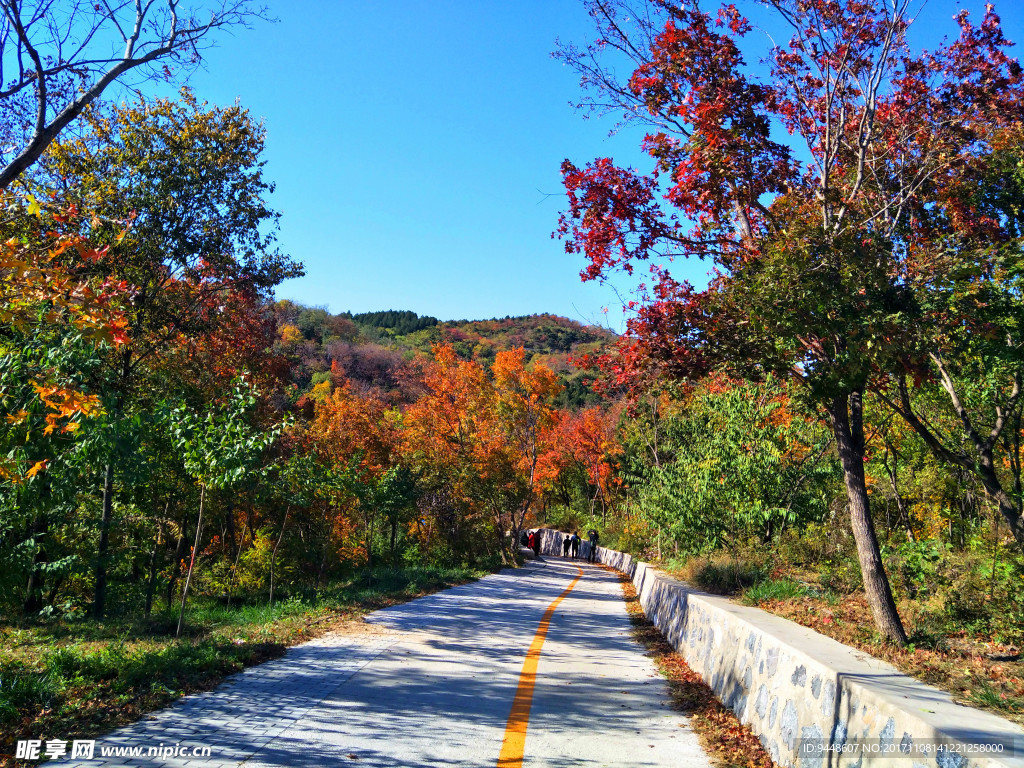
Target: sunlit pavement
{"points": [[435, 687]]}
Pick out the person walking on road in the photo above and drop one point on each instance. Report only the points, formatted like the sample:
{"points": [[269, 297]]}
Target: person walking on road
{"points": [[534, 543], [566, 545], [575, 545], [592, 535]]}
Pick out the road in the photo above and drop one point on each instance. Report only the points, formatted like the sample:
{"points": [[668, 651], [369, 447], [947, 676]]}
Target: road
{"points": [[485, 674]]}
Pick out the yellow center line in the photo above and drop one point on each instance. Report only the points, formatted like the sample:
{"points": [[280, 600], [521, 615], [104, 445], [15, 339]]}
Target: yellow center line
{"points": [[515, 730]]}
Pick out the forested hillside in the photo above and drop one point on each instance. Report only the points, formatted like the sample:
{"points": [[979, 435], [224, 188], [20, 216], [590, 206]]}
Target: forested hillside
{"points": [[170, 428], [380, 349]]}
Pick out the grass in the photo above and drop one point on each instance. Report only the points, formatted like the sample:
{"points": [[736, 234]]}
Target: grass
{"points": [[78, 679], [725, 739], [773, 589]]}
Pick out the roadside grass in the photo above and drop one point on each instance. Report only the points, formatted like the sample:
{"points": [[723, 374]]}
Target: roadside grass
{"points": [[77, 679], [723, 736], [773, 589]]}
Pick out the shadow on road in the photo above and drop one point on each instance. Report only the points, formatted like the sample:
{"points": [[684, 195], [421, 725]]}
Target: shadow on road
{"points": [[437, 689]]}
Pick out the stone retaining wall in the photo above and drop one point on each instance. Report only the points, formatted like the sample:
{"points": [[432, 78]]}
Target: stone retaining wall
{"points": [[802, 692]]}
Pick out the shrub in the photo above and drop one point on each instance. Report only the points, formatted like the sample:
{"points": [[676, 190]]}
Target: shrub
{"points": [[916, 567], [722, 575]]}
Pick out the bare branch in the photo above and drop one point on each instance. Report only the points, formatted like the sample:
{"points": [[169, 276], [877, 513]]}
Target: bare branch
{"points": [[65, 57]]}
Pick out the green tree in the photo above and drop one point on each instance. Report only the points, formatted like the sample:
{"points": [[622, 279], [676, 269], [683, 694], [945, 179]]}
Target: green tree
{"points": [[188, 181], [220, 448], [735, 461], [392, 494], [970, 339], [55, 329]]}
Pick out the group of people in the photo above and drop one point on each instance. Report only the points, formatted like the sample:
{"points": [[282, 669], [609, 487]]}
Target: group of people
{"points": [[570, 544]]}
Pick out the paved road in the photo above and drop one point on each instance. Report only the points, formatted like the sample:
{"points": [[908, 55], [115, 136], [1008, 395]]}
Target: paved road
{"points": [[433, 684]]}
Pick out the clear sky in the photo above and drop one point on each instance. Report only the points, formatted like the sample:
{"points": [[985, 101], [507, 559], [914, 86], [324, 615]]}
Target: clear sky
{"points": [[416, 147]]}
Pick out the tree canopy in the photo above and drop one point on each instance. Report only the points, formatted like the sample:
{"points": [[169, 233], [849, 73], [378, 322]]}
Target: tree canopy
{"points": [[818, 236]]}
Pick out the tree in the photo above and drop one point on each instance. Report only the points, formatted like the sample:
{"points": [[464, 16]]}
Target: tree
{"points": [[357, 438], [44, 307], [53, 328], [392, 495], [737, 460], [298, 484], [525, 415], [219, 448], [812, 256], [970, 340], [58, 57], [447, 439], [189, 180], [581, 445]]}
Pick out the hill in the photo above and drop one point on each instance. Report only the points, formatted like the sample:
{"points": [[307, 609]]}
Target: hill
{"points": [[377, 349]]}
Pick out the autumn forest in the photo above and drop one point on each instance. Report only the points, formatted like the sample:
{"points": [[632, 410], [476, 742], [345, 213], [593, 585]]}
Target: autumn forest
{"points": [[831, 428]]}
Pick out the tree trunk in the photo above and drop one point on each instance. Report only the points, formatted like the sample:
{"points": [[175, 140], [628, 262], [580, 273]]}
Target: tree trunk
{"points": [[234, 566], [151, 583], [994, 488], [323, 565], [192, 561], [100, 599], [33, 602], [273, 555], [846, 413], [51, 598], [901, 507], [507, 557], [229, 530], [177, 561], [369, 541], [394, 542]]}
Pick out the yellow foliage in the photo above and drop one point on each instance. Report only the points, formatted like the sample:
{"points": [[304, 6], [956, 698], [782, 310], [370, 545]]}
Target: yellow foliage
{"points": [[321, 391], [290, 334]]}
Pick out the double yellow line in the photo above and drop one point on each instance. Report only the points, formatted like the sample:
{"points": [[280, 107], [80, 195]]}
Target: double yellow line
{"points": [[515, 730]]}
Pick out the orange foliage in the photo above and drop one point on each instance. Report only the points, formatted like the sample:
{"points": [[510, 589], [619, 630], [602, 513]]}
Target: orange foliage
{"points": [[348, 425], [586, 439], [485, 444], [35, 289]]}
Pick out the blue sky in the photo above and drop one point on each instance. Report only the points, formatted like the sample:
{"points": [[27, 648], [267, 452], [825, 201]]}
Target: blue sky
{"points": [[416, 147]]}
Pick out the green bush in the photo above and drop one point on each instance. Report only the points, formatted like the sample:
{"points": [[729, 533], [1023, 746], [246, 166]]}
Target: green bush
{"points": [[842, 576], [723, 575], [916, 567]]}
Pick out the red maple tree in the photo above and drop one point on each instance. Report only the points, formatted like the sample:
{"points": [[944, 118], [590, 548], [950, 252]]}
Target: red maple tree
{"points": [[819, 233]]}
